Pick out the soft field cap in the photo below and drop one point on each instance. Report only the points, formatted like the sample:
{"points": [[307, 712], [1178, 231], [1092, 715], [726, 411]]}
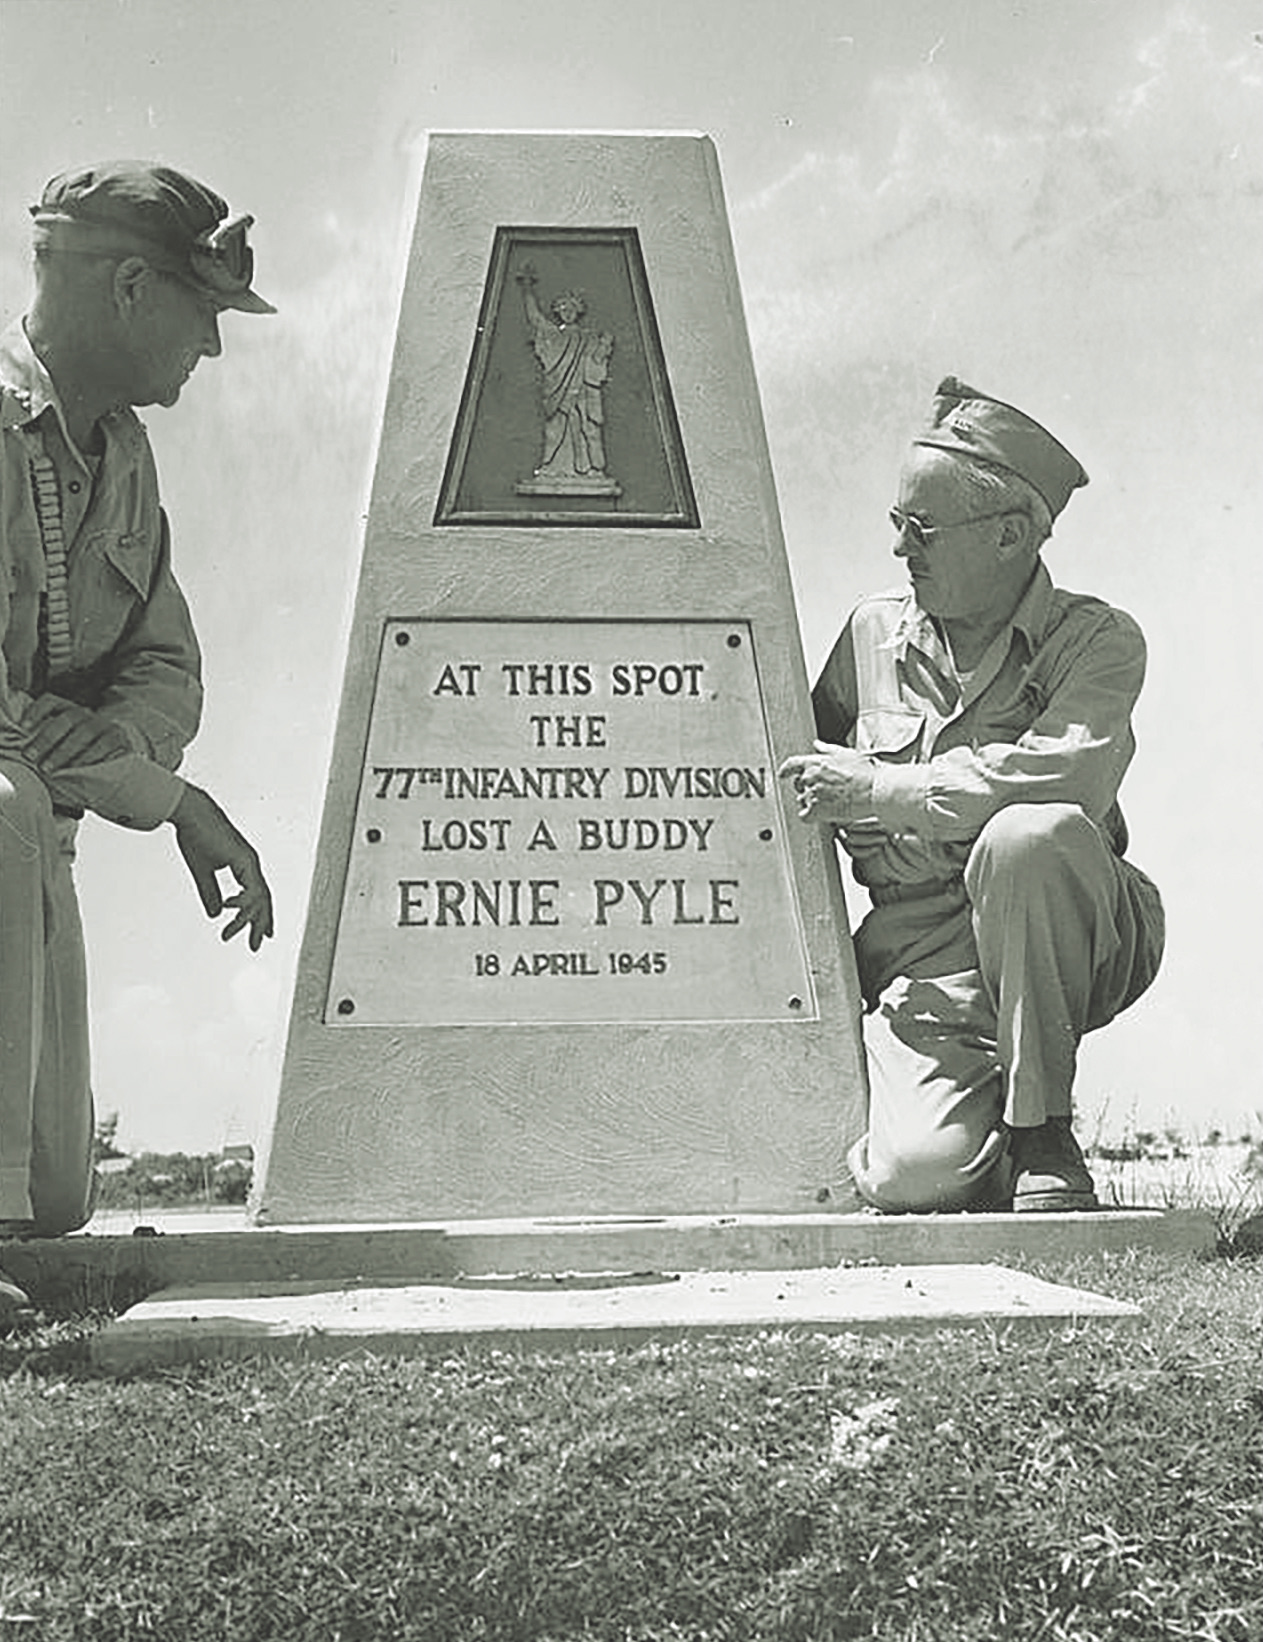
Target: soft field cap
{"points": [[132, 207], [969, 423]]}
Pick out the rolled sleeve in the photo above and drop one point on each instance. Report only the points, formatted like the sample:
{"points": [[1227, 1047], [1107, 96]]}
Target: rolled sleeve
{"points": [[1076, 750], [131, 791]]}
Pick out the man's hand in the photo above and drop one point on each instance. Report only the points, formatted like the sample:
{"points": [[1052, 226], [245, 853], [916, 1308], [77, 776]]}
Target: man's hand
{"points": [[834, 785], [208, 841], [63, 734], [862, 840]]}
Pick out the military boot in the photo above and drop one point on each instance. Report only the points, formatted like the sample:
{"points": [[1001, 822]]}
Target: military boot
{"points": [[12, 1298], [1049, 1173]]}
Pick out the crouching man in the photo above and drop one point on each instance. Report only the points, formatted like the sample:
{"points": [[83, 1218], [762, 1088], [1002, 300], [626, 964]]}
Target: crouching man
{"points": [[974, 729], [100, 675]]}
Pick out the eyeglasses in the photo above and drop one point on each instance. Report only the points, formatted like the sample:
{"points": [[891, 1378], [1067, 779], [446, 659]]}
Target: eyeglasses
{"points": [[923, 535]]}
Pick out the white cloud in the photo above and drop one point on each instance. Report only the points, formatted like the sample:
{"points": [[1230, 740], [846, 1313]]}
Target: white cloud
{"points": [[842, 247], [183, 1070], [1042, 241]]}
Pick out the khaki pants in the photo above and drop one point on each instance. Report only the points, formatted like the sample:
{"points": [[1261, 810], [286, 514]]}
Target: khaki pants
{"points": [[979, 995], [46, 1117]]}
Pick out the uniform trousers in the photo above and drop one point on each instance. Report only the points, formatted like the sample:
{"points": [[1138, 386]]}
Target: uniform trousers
{"points": [[979, 993], [46, 1116]]}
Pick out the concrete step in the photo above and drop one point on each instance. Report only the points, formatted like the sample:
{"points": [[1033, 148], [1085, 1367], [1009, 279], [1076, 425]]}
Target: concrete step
{"points": [[214, 1321], [178, 1249]]}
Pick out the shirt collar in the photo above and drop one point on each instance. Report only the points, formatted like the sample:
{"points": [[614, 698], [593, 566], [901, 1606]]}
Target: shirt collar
{"points": [[29, 388], [24, 379], [1035, 606], [914, 627]]}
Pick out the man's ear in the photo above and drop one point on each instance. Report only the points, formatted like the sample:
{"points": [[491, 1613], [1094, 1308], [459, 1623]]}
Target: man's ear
{"points": [[1016, 535], [133, 278]]}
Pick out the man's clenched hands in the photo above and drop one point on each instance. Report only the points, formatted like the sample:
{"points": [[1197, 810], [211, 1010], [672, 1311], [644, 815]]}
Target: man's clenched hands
{"points": [[208, 841]]}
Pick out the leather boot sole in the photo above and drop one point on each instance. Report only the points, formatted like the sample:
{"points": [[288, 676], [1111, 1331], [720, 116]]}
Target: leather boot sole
{"points": [[1053, 1202], [12, 1299]]}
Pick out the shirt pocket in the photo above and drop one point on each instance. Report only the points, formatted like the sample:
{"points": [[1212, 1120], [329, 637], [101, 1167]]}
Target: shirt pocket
{"points": [[892, 733], [110, 578], [132, 556], [1010, 716]]}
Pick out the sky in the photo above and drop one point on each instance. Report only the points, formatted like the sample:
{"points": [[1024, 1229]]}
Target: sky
{"points": [[1062, 204]]}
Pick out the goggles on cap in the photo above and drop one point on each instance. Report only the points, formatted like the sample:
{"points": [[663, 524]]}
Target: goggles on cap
{"points": [[221, 259]]}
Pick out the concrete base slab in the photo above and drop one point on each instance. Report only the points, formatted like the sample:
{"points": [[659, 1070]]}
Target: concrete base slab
{"points": [[108, 1266], [219, 1321]]}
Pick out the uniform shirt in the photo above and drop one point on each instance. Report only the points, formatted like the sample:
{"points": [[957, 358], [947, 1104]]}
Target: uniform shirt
{"points": [[134, 655], [1045, 717]]}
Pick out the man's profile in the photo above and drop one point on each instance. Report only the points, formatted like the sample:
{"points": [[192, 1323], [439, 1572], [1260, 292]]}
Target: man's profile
{"points": [[974, 729], [100, 673]]}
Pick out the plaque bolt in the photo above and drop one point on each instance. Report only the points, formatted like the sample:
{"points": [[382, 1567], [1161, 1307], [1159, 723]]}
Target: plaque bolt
{"points": [[346, 1006], [734, 641], [403, 638], [374, 835], [795, 1002], [766, 835]]}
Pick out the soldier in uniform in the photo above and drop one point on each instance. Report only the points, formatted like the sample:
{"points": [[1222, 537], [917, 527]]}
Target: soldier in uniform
{"points": [[100, 686], [975, 727]]}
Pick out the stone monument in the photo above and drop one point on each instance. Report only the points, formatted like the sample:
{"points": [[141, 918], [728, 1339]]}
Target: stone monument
{"points": [[565, 954]]}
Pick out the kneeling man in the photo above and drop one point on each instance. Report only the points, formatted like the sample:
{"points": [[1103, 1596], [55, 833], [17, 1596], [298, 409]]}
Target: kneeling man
{"points": [[100, 670], [974, 731]]}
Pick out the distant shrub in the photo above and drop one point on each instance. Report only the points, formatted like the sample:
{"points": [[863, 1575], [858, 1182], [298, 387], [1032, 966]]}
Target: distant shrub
{"points": [[105, 1147], [232, 1180], [1122, 1151], [174, 1180]]}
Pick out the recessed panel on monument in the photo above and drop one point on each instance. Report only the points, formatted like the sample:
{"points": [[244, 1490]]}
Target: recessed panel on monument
{"points": [[567, 415], [566, 954], [568, 821]]}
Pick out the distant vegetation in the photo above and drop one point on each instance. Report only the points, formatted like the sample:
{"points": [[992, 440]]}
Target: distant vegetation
{"points": [[165, 1179], [174, 1180], [1136, 1145], [191, 1179]]}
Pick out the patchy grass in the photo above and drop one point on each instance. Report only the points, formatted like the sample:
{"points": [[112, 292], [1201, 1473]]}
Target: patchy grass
{"points": [[1223, 1180], [1097, 1482]]}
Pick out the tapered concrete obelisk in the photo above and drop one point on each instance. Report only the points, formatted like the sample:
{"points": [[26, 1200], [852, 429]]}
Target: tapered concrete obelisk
{"points": [[566, 953]]}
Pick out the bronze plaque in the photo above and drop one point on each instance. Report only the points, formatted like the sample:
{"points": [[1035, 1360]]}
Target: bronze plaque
{"points": [[567, 417], [571, 821]]}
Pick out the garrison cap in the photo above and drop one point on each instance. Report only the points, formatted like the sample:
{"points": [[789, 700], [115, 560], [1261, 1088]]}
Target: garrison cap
{"points": [[969, 423], [131, 207]]}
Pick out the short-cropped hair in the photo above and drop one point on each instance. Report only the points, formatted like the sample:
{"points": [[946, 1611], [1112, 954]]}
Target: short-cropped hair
{"points": [[987, 489]]}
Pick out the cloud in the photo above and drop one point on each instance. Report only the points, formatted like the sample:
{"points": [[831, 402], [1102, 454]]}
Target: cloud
{"points": [[1075, 249], [188, 1073], [845, 245]]}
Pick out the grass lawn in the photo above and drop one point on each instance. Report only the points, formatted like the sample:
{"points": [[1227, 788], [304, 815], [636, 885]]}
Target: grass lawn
{"points": [[1094, 1482]]}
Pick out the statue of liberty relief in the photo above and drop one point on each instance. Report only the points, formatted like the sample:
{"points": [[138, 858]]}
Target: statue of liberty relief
{"points": [[575, 361]]}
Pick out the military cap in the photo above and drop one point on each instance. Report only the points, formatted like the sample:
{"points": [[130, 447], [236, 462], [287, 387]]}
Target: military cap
{"points": [[131, 207], [969, 423]]}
